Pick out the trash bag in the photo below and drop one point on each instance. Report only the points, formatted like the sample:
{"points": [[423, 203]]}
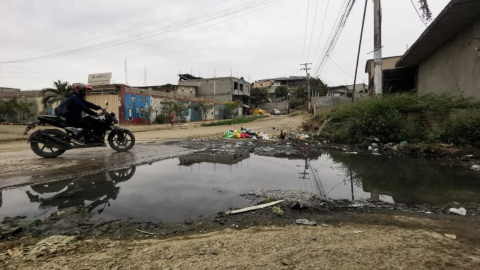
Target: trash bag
{"points": [[245, 136], [237, 134], [228, 134]]}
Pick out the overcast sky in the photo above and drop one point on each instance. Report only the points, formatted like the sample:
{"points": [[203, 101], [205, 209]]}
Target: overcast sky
{"points": [[255, 39]]}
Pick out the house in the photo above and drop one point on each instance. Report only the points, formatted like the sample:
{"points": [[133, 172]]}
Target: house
{"points": [[342, 90], [388, 64], [222, 88], [446, 57], [292, 83]]}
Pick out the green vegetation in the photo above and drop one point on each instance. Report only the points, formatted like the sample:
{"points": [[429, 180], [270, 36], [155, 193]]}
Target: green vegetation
{"points": [[236, 121], [59, 92], [10, 108], [405, 117]]}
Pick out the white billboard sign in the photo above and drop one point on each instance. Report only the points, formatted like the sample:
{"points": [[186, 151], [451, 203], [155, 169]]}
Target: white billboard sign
{"points": [[99, 78]]}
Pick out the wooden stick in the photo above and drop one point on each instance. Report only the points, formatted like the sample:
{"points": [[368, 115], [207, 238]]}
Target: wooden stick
{"points": [[140, 231], [97, 243], [253, 207]]}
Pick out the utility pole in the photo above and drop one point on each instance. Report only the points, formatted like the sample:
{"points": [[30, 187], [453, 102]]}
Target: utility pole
{"points": [[378, 47], [145, 76], [359, 47], [126, 73], [308, 84]]}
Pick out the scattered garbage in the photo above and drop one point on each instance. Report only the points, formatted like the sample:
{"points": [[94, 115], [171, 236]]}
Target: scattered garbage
{"points": [[253, 207], [459, 211], [304, 221], [475, 167], [451, 236], [244, 133], [277, 210], [404, 143], [301, 205]]}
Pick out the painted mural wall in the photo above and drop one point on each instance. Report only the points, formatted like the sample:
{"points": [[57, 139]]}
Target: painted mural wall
{"points": [[136, 107]]}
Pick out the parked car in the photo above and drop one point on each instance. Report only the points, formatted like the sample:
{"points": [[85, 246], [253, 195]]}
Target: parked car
{"points": [[258, 111], [275, 112]]}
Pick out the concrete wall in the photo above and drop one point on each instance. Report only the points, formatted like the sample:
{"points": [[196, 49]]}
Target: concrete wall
{"points": [[224, 88], [205, 88], [456, 59], [281, 106]]}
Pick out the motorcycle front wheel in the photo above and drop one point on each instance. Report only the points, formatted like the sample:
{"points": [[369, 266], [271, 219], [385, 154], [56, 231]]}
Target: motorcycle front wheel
{"points": [[121, 141]]}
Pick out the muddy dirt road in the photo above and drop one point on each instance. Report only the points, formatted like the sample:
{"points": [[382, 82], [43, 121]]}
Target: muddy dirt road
{"points": [[407, 243], [19, 165]]}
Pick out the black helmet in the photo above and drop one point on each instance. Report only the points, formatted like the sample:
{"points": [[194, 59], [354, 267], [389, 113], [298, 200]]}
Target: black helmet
{"points": [[81, 89]]}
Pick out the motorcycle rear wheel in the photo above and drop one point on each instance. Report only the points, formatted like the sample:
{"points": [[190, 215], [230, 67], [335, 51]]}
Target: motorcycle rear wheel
{"points": [[45, 151]]}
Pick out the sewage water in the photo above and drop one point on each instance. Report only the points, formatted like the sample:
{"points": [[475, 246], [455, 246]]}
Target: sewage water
{"points": [[200, 184]]}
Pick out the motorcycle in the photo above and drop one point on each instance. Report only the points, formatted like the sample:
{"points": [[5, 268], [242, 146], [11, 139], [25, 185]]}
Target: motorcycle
{"points": [[51, 143]]}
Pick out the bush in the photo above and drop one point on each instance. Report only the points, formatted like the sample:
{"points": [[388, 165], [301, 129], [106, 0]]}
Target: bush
{"points": [[385, 117], [162, 119], [463, 128]]}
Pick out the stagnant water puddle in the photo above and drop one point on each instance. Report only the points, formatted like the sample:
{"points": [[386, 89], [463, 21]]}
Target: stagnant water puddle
{"points": [[200, 184]]}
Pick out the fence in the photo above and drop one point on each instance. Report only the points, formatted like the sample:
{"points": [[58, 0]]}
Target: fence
{"points": [[281, 106]]}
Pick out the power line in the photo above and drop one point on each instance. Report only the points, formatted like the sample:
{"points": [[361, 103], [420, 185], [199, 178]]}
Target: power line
{"points": [[340, 67], [321, 32], [313, 28], [306, 27], [228, 11], [111, 52], [112, 34], [344, 13]]}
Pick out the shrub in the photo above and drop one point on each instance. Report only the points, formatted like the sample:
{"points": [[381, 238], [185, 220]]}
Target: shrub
{"points": [[463, 128], [385, 117]]}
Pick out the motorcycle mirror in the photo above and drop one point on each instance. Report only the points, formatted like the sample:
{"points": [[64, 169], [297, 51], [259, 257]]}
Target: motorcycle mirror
{"points": [[106, 102]]}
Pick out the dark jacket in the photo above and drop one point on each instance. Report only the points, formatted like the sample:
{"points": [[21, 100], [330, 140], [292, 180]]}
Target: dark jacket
{"points": [[73, 107]]}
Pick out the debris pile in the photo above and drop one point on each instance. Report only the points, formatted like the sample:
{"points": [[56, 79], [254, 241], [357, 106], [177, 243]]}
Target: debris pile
{"points": [[244, 133]]}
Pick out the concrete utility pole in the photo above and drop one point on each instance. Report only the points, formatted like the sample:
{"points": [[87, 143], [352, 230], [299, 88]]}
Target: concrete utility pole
{"points": [[126, 73], [378, 47], [308, 84]]}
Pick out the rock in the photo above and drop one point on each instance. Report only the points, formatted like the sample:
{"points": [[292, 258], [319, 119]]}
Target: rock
{"points": [[475, 167], [130, 248], [170, 256], [286, 262]]}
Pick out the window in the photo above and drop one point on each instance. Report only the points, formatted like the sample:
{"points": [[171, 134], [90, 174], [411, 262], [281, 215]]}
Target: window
{"points": [[241, 87], [235, 85]]}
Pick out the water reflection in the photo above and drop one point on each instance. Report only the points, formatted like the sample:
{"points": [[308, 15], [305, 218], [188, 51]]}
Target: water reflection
{"points": [[409, 180], [174, 189], [96, 190]]}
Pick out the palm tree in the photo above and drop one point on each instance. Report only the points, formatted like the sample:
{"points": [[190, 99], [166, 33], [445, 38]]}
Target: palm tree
{"points": [[61, 91]]}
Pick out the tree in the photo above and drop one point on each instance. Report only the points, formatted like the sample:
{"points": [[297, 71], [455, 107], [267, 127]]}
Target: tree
{"points": [[317, 88], [281, 92], [61, 91], [231, 109], [426, 13], [259, 95], [10, 108], [204, 105]]}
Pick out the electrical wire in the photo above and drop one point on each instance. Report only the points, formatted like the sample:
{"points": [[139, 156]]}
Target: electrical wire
{"points": [[146, 35], [306, 27], [340, 67], [111, 52], [321, 31], [335, 33], [134, 28], [313, 28]]}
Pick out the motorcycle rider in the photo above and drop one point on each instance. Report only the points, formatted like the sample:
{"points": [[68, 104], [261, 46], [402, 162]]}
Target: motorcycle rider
{"points": [[72, 108]]}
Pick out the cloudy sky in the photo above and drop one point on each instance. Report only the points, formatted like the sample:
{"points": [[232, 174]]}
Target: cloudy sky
{"points": [[51, 40]]}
